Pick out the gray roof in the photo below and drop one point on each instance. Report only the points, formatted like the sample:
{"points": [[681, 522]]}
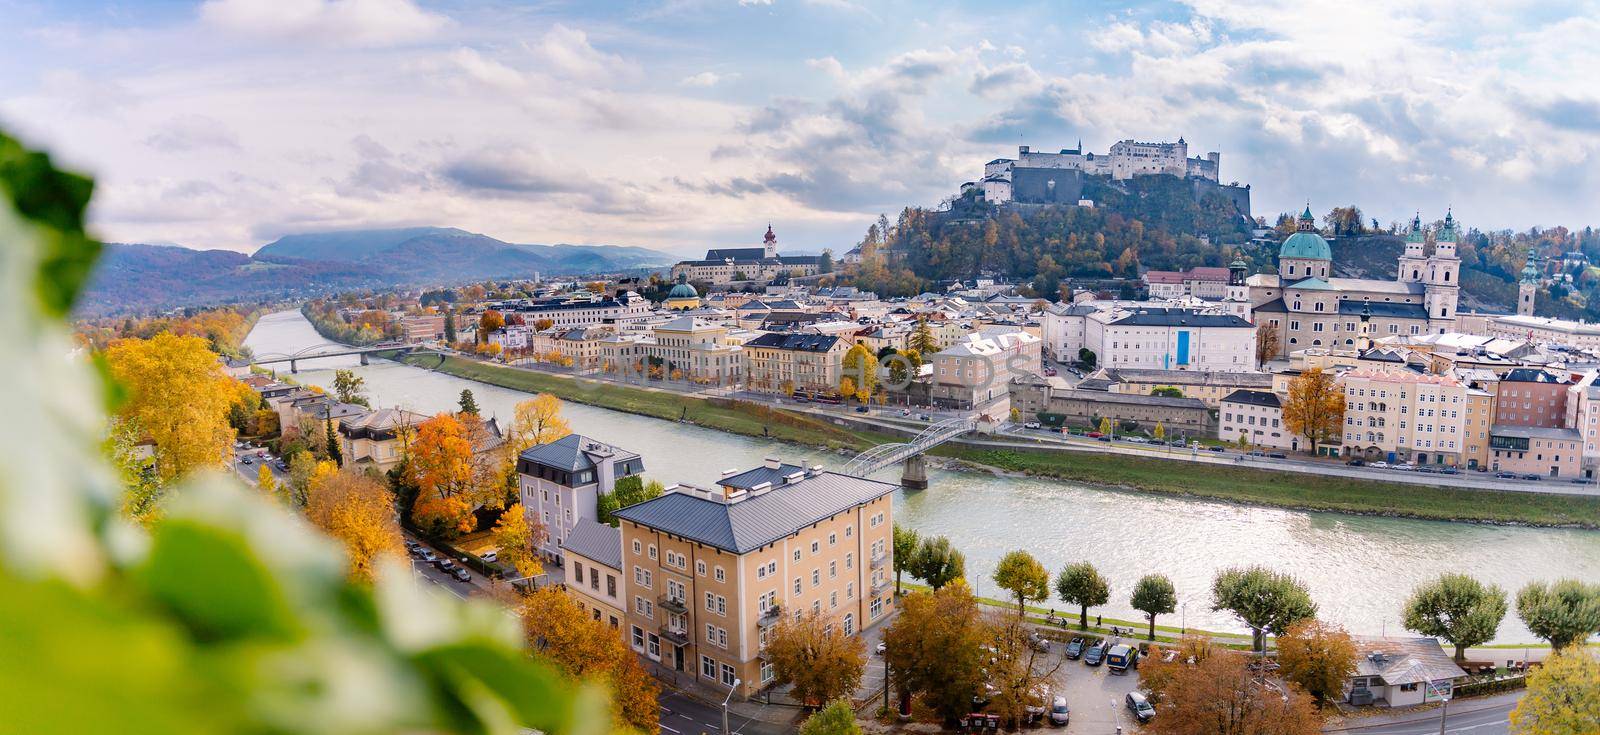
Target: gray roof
{"points": [[1185, 377], [1532, 375], [758, 520], [736, 253], [595, 541], [751, 478], [1351, 307], [791, 341], [1535, 432], [573, 452], [1254, 398], [1160, 317], [1405, 660]]}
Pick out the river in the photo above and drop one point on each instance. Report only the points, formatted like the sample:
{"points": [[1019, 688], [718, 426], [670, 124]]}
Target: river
{"points": [[1359, 569]]}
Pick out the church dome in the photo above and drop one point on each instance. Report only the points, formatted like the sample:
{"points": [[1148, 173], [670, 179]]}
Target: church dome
{"points": [[683, 291], [1305, 245]]}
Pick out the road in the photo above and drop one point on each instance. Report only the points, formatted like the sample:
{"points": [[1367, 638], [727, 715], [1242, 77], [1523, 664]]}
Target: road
{"points": [[1487, 716], [682, 715]]}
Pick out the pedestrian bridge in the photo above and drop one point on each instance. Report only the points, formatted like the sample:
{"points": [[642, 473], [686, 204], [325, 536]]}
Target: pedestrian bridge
{"points": [[326, 349], [911, 452]]}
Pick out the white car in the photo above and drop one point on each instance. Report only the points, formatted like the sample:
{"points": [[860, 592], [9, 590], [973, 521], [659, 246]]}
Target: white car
{"points": [[490, 556], [882, 648], [1379, 465], [1031, 425]]}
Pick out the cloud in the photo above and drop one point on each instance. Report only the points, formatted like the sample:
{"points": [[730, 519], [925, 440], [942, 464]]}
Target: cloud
{"points": [[338, 22], [1570, 114], [190, 133], [997, 81], [706, 79], [567, 52], [518, 172], [487, 71]]}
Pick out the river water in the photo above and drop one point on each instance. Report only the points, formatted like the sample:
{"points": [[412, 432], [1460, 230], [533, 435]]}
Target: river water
{"points": [[1359, 569]]}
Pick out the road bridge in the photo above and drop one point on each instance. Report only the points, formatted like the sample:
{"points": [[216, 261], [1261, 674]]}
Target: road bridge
{"points": [[911, 453], [328, 349]]}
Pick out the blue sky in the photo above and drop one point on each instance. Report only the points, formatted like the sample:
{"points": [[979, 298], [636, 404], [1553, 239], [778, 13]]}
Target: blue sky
{"points": [[685, 124]]}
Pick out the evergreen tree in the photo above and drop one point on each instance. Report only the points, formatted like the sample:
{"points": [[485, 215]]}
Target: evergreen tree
{"points": [[450, 326], [468, 403], [334, 453]]}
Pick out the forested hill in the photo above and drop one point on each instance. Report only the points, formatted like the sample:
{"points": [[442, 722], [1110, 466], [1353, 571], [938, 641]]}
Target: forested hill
{"points": [[1153, 221]]}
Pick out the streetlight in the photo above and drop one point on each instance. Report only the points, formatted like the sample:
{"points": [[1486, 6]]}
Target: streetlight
{"points": [[1184, 608], [731, 688], [1444, 709]]}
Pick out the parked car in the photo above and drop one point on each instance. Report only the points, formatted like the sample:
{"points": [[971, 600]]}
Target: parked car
{"points": [[1506, 475], [247, 459], [1094, 435], [1213, 449], [1096, 654], [1357, 462], [1136, 439], [1122, 657], [1449, 471], [1531, 476], [1140, 706], [1579, 481], [1257, 453], [1277, 455], [1031, 425], [1103, 438], [883, 648], [461, 575], [1059, 715], [1037, 703], [861, 409], [1039, 643], [428, 556], [1075, 649], [1406, 466], [444, 565], [491, 557], [1379, 465]]}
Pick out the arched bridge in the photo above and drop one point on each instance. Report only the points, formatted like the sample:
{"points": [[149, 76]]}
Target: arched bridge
{"points": [[916, 473], [327, 349]]}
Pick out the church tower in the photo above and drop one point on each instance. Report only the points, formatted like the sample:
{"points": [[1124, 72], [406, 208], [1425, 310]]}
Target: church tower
{"points": [[1529, 284], [1442, 273], [1238, 298], [1412, 263], [770, 242]]}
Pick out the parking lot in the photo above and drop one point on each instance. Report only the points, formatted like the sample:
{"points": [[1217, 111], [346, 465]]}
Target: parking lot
{"points": [[1094, 694]]}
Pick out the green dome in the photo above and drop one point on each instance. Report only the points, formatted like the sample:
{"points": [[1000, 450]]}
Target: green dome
{"points": [[683, 291], [1305, 245]]}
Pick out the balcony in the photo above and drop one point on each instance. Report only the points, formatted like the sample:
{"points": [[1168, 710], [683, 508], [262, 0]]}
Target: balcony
{"points": [[678, 636], [673, 604], [879, 586], [879, 560], [769, 618]]}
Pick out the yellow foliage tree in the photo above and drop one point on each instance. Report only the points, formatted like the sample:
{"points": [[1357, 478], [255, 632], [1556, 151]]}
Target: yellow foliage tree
{"points": [[560, 632], [847, 387], [265, 482], [861, 367], [1563, 696], [177, 396], [358, 511], [1315, 407], [516, 538], [441, 457], [537, 421]]}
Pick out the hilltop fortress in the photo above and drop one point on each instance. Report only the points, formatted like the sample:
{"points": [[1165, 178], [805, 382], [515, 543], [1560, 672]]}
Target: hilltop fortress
{"points": [[1041, 177]]}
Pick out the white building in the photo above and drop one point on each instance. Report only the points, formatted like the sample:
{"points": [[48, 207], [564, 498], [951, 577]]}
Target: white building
{"points": [[1545, 329], [1400, 415], [561, 482], [586, 311], [1170, 339], [1257, 416], [726, 265]]}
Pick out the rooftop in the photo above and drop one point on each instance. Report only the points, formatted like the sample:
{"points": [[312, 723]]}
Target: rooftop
{"points": [[596, 541], [1404, 660], [804, 342], [1254, 398], [574, 452]]}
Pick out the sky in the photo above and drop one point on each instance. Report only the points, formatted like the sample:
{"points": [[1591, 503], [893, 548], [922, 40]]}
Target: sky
{"points": [[686, 124]]}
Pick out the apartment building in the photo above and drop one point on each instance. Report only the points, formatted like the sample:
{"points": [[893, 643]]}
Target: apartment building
{"points": [[709, 572], [377, 438], [1475, 428], [422, 328], [687, 347], [977, 372], [582, 344], [593, 553], [1537, 450], [1171, 339], [1532, 397], [1210, 386], [561, 482], [1400, 415], [779, 362], [1257, 417]]}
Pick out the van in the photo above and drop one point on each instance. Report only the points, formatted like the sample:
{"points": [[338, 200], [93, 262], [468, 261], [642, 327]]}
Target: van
{"points": [[1122, 657]]}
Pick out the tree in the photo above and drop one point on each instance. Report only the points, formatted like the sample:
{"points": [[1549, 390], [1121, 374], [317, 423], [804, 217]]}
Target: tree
{"points": [[543, 324], [1019, 673], [1267, 601], [838, 718], [816, 657], [1081, 584], [906, 542], [537, 422], [441, 464], [176, 395], [266, 484], [922, 339], [332, 440], [1317, 656], [490, 321], [1563, 696], [1315, 407], [1154, 595], [350, 388], [1024, 577], [1105, 425], [1457, 608], [934, 649], [1266, 343], [1167, 391], [450, 325], [938, 563], [630, 490], [517, 539], [847, 387], [861, 367], [1564, 612], [302, 466], [358, 511], [1160, 432], [560, 632], [1087, 358], [468, 403], [1220, 696]]}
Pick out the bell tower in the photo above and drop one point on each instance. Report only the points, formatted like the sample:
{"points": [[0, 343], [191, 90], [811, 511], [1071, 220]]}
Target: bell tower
{"points": [[770, 243], [1413, 266], [1529, 284], [1443, 289]]}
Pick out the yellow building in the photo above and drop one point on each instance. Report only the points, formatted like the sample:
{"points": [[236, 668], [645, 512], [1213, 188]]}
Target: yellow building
{"points": [[682, 297], [593, 555], [787, 362]]}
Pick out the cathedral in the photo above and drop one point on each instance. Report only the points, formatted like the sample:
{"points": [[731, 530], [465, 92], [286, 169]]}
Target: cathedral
{"points": [[1308, 307]]}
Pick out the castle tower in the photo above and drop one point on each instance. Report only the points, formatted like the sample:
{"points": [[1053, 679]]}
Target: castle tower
{"points": [[770, 242], [1443, 289], [1412, 263], [1529, 284]]}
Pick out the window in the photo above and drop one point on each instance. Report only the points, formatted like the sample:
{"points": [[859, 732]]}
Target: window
{"points": [[652, 551], [637, 546], [721, 576], [797, 585], [711, 602], [876, 608], [848, 531], [708, 667], [699, 568], [816, 577], [850, 624], [816, 546], [611, 585], [577, 570], [772, 567], [849, 561], [766, 673], [833, 600], [722, 605], [638, 638], [833, 569], [727, 675], [654, 647], [797, 555], [833, 539], [850, 591]]}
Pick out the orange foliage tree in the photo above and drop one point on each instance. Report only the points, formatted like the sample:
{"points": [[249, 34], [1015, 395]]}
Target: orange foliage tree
{"points": [[358, 511], [1221, 695], [560, 632]]}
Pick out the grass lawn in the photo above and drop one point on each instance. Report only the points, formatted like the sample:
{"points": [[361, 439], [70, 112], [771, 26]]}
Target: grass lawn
{"points": [[1290, 489]]}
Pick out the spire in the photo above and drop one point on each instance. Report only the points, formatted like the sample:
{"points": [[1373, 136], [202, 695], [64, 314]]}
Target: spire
{"points": [[1307, 222], [1415, 235], [770, 237]]}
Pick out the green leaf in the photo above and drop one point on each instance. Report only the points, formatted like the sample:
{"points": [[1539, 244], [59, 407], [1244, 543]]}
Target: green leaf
{"points": [[537, 696], [55, 202], [215, 584]]}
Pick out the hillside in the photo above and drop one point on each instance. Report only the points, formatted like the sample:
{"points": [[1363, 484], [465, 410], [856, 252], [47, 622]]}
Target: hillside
{"points": [[135, 278]]}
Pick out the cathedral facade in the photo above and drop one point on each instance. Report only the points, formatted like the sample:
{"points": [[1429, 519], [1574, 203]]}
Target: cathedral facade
{"points": [[1307, 307]]}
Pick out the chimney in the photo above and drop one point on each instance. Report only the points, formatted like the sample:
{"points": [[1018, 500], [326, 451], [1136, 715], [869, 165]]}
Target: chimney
{"points": [[729, 473], [772, 463]]}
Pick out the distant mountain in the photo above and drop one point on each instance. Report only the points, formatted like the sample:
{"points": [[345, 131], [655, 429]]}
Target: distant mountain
{"points": [[134, 277]]}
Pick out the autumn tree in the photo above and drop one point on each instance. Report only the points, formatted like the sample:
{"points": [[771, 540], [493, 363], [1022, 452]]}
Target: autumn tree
{"points": [[627, 491], [1457, 608], [176, 395], [489, 322], [1154, 595], [1266, 343], [266, 483], [860, 367], [302, 466], [441, 464], [838, 718], [1220, 695], [816, 657], [537, 421], [938, 563], [1267, 601], [350, 388], [1081, 584], [1563, 696], [934, 649], [358, 511], [906, 542], [560, 632], [1564, 613], [1318, 657], [1314, 408], [1019, 672], [1024, 577], [517, 539], [331, 440]]}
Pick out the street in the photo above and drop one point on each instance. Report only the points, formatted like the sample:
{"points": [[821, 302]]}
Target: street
{"points": [[1486, 716]]}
